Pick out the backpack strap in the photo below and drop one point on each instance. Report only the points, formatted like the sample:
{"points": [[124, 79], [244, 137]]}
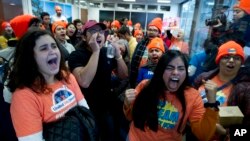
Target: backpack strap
{"points": [[227, 84]]}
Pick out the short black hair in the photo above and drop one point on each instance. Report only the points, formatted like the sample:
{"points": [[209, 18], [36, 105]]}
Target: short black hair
{"points": [[44, 14], [34, 21], [77, 21], [123, 30]]}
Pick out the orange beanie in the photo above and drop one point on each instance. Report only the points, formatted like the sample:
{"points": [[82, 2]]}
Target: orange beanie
{"points": [[20, 24], [57, 23], [245, 5], [129, 23], [116, 23], [157, 22], [228, 48], [137, 31], [4, 24], [156, 43]]}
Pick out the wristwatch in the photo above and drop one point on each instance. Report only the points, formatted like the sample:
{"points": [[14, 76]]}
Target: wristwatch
{"points": [[212, 105]]}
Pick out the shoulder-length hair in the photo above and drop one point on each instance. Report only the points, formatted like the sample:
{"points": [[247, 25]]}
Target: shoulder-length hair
{"points": [[25, 71], [145, 106]]}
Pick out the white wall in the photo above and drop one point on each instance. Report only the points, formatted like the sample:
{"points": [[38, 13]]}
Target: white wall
{"points": [[75, 12], [93, 14]]}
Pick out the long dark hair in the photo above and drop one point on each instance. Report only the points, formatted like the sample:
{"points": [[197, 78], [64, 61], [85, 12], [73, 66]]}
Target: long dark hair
{"points": [[145, 106], [25, 70], [72, 39]]}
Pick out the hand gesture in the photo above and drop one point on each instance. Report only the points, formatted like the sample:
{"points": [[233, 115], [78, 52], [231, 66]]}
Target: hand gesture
{"points": [[117, 49], [211, 90], [129, 96], [93, 43], [218, 24]]}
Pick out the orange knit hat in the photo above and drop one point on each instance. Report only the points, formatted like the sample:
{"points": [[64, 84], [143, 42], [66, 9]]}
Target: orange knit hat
{"points": [[245, 5], [20, 24], [156, 43], [129, 23], [57, 23], [229, 48], [137, 31], [4, 24], [157, 22], [116, 23]]}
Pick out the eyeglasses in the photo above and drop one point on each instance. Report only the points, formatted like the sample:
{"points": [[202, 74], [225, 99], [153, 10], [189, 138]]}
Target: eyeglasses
{"points": [[153, 30], [237, 11], [93, 31], [228, 57]]}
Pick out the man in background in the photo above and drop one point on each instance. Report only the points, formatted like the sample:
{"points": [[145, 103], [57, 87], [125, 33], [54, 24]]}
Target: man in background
{"points": [[58, 16], [7, 34], [46, 21]]}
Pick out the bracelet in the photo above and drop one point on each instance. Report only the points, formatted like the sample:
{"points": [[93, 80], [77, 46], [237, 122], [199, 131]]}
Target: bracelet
{"points": [[212, 105], [119, 58]]}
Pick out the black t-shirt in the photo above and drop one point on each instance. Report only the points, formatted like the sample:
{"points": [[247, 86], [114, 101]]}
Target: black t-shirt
{"points": [[98, 94]]}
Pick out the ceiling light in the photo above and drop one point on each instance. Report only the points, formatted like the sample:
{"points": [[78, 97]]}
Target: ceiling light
{"points": [[12, 4], [210, 3], [163, 1], [129, 0]]}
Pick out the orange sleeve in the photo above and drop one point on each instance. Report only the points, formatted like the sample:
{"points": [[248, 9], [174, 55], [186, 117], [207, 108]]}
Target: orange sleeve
{"points": [[204, 129], [25, 113], [203, 121], [127, 109]]}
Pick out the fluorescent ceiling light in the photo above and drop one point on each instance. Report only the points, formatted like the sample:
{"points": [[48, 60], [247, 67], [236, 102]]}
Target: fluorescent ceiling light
{"points": [[163, 1], [12, 4], [129, 0], [210, 3]]}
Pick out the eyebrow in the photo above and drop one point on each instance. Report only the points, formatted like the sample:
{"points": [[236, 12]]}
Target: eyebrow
{"points": [[44, 45], [174, 66]]}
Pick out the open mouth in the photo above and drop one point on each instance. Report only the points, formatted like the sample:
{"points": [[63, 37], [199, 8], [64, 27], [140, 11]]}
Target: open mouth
{"points": [[63, 35], [174, 79], [52, 61], [155, 59], [230, 66], [173, 84]]}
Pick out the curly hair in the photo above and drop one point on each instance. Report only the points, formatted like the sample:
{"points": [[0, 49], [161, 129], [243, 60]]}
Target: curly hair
{"points": [[25, 71]]}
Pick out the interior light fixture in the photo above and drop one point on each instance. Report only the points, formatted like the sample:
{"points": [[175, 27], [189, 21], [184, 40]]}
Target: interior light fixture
{"points": [[163, 1], [210, 3], [12, 4], [129, 0]]}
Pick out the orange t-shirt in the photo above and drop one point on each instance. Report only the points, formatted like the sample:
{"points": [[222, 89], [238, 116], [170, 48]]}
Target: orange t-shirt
{"points": [[169, 115], [29, 109], [221, 95], [179, 45]]}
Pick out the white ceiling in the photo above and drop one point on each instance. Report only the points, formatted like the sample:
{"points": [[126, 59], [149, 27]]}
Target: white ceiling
{"points": [[138, 1]]}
